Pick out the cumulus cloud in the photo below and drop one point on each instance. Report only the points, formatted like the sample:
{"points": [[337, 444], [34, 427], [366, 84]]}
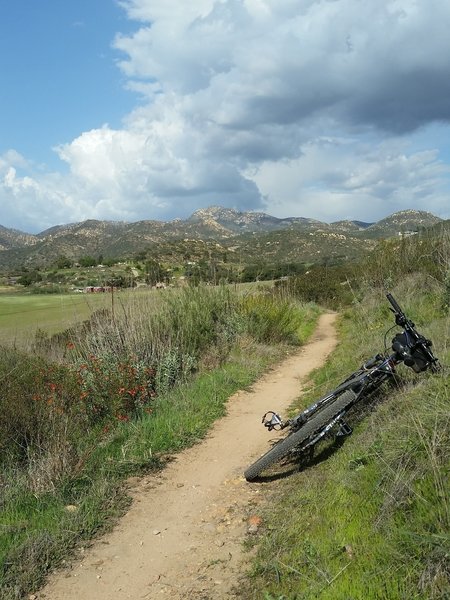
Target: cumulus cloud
{"points": [[337, 179], [298, 107]]}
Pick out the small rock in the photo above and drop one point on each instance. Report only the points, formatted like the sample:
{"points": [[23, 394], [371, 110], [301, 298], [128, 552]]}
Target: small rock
{"points": [[254, 523], [32, 597], [156, 532], [71, 508], [97, 563], [348, 550]]}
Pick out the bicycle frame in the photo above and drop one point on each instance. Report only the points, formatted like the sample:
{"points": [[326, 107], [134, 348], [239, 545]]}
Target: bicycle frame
{"points": [[362, 382], [369, 377], [318, 420]]}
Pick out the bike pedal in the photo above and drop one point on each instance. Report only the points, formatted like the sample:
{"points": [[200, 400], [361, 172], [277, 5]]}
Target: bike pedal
{"points": [[344, 429]]}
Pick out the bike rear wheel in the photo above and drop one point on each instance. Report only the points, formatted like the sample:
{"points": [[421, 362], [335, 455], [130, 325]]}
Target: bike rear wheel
{"points": [[282, 448]]}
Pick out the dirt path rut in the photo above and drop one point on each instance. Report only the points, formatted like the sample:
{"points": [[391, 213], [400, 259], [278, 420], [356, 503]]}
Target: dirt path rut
{"points": [[182, 537]]}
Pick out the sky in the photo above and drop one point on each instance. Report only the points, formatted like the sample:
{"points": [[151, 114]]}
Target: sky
{"points": [[128, 110]]}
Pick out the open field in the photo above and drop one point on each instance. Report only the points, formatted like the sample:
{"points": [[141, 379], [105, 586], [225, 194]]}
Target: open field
{"points": [[21, 315]]}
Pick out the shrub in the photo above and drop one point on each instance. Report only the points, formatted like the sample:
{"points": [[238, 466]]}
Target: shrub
{"points": [[271, 319], [36, 405], [327, 286]]}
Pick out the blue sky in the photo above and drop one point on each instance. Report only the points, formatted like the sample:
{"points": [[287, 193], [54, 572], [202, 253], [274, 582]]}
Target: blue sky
{"points": [[150, 109], [58, 73]]}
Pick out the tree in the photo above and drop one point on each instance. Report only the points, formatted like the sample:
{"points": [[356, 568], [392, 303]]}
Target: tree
{"points": [[62, 262], [154, 272], [29, 278], [88, 261]]}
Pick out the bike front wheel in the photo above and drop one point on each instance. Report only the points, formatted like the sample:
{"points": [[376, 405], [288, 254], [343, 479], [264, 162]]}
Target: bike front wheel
{"points": [[283, 447]]}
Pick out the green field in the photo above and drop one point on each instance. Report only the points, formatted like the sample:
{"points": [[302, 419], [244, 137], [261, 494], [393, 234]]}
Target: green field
{"points": [[21, 315]]}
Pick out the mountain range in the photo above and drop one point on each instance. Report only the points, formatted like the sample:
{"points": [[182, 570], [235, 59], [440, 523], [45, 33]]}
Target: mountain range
{"points": [[251, 234]]}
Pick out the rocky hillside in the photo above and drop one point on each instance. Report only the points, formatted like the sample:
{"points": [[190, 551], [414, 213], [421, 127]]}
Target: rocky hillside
{"points": [[405, 221], [245, 222], [12, 238], [254, 236]]}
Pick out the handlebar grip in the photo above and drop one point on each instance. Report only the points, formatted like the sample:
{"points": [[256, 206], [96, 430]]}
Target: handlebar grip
{"points": [[394, 304]]}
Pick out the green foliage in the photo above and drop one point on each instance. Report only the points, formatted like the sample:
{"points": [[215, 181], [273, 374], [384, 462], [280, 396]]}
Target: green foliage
{"points": [[267, 272], [271, 319], [427, 252], [62, 262], [48, 289], [446, 293], [30, 278], [336, 286], [36, 398], [112, 388], [87, 261], [369, 518], [328, 286], [154, 272], [117, 395]]}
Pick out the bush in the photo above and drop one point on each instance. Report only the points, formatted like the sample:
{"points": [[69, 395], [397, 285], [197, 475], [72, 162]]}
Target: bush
{"points": [[269, 318], [327, 286], [36, 406]]}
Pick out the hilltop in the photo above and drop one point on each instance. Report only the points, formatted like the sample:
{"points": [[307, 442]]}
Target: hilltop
{"points": [[244, 235]]}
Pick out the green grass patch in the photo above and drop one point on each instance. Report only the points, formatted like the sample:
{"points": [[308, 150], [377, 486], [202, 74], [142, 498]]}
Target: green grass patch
{"points": [[180, 418], [127, 391], [368, 518], [21, 315]]}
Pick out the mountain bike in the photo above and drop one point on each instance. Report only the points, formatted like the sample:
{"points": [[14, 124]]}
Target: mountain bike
{"points": [[327, 415]]}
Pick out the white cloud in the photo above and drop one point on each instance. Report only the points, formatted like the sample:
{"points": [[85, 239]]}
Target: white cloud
{"points": [[342, 178], [295, 106]]}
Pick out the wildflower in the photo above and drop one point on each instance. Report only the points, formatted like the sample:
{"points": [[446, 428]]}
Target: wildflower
{"points": [[123, 418]]}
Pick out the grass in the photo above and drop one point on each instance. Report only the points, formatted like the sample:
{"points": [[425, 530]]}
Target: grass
{"points": [[21, 315], [74, 429], [180, 419], [369, 518]]}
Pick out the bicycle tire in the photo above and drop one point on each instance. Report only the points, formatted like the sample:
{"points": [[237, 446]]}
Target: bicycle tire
{"points": [[282, 448]]}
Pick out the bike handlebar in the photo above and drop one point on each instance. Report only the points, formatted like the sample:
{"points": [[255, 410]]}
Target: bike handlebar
{"points": [[400, 318], [395, 305], [415, 348]]}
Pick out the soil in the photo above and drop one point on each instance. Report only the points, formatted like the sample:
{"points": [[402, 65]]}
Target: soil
{"points": [[183, 535]]}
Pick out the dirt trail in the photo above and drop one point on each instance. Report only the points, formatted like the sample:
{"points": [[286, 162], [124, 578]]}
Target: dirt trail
{"points": [[182, 537]]}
